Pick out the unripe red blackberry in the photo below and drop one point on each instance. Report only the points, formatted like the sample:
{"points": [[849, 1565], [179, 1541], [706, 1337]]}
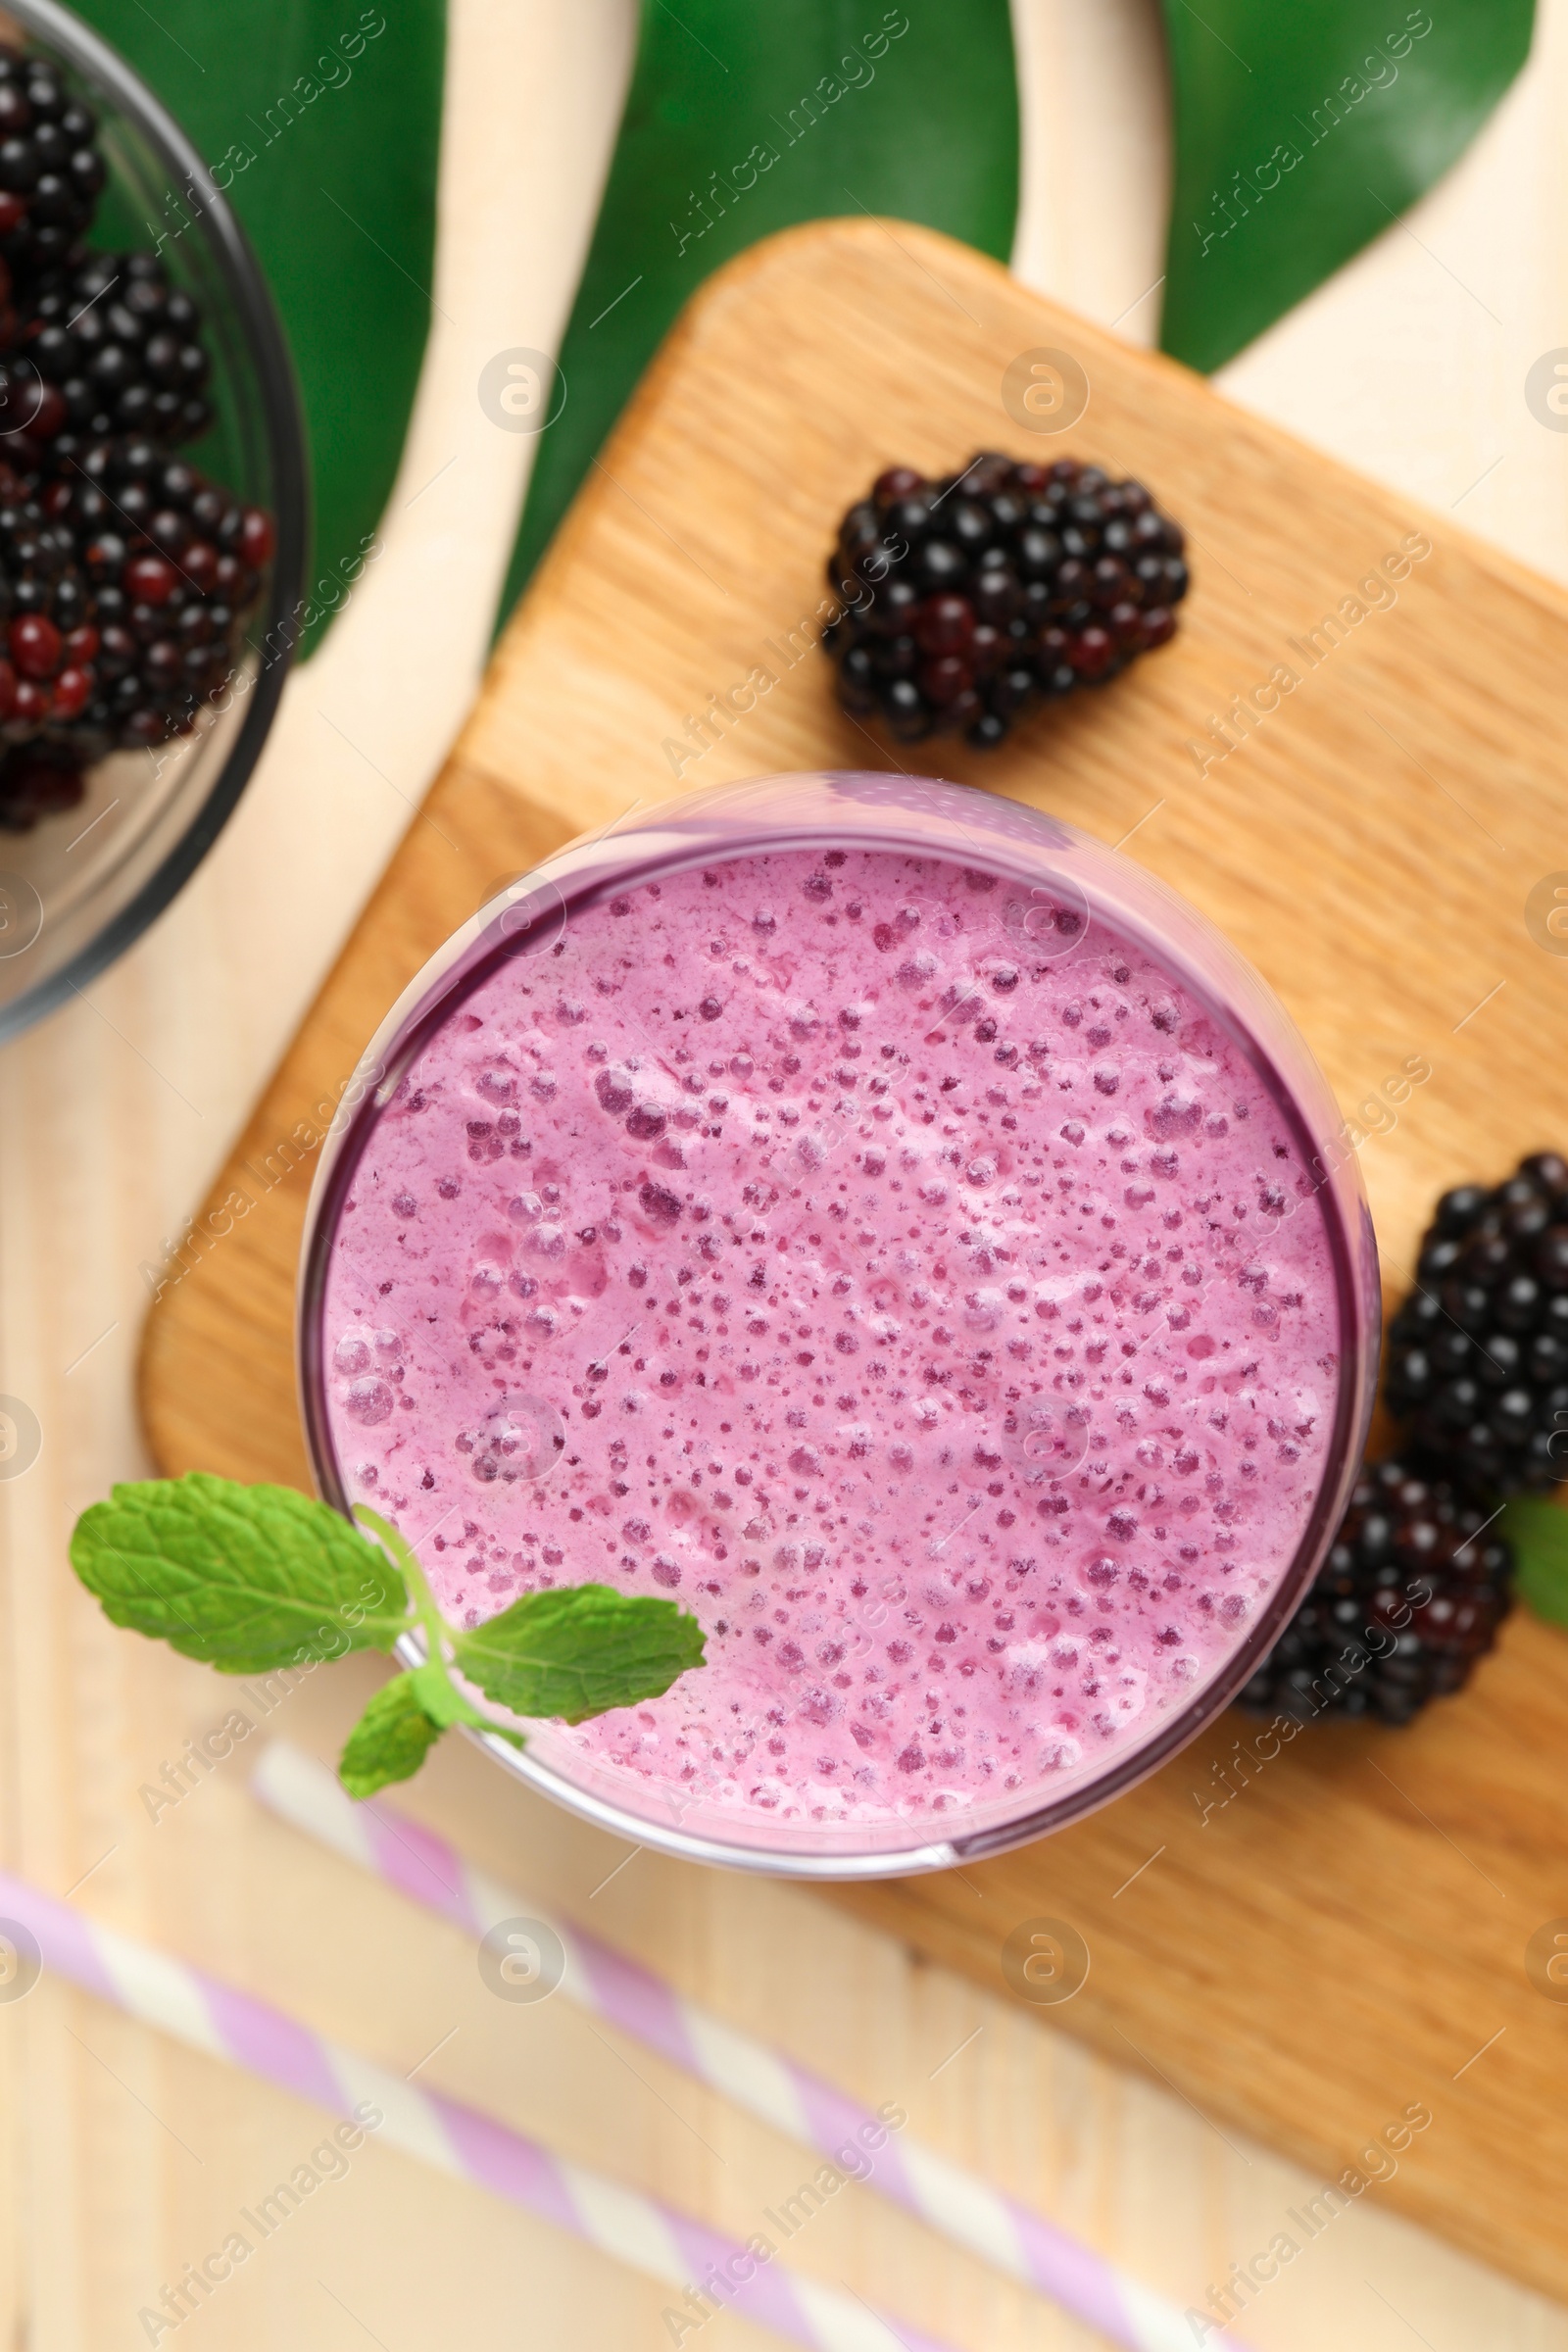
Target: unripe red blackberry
{"points": [[973, 596], [1410, 1596], [1477, 1358]]}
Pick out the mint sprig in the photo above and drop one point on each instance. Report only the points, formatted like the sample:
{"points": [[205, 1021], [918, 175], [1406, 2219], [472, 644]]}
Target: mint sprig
{"points": [[250, 1578]]}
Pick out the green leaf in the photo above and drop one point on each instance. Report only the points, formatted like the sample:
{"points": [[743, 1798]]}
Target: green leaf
{"points": [[1537, 1529], [1302, 134], [246, 1579], [340, 124], [924, 128], [390, 1741], [578, 1651]]}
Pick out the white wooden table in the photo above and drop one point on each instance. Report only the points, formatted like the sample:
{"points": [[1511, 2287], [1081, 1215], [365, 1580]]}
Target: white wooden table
{"points": [[122, 2159]]}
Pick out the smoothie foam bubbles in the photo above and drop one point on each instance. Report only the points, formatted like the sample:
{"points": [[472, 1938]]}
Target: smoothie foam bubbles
{"points": [[881, 1220]]}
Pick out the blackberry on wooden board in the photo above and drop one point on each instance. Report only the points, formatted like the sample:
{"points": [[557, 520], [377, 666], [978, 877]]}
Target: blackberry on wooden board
{"points": [[976, 595], [1409, 1599], [1477, 1358]]}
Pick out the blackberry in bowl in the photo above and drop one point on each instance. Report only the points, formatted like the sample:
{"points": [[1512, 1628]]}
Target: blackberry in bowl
{"points": [[152, 512], [171, 564], [51, 170], [111, 346], [975, 596], [47, 641]]}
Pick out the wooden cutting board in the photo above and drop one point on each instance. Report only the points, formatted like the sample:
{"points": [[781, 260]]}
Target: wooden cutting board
{"points": [[1339, 1939]]}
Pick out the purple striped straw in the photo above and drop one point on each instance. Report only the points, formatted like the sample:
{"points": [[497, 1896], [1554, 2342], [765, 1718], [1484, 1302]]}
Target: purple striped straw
{"points": [[707, 2268], [982, 2218]]}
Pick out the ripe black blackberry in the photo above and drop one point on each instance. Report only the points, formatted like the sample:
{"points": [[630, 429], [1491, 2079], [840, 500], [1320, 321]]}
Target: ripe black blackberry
{"points": [[975, 595], [1418, 1565], [111, 347], [50, 168], [1477, 1360], [173, 563], [47, 637]]}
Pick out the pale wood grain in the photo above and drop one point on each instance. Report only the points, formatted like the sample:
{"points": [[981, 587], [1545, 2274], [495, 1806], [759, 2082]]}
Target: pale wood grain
{"points": [[1327, 1949]]}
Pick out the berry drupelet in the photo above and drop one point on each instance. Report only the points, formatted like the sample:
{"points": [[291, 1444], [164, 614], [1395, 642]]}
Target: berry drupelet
{"points": [[1410, 1596], [976, 595], [1478, 1353], [50, 168]]}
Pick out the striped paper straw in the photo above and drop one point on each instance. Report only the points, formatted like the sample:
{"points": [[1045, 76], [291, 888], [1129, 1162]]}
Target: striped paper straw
{"points": [[983, 2219], [648, 2236]]}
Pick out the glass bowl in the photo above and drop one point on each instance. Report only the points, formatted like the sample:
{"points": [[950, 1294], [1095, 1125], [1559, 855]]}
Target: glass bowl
{"points": [[990, 1523], [80, 887]]}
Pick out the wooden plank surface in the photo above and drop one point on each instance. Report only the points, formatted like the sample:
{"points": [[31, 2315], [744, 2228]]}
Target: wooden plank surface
{"points": [[1341, 1941]]}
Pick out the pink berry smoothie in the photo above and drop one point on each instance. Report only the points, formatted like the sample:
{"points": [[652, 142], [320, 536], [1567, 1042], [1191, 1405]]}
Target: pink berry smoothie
{"points": [[909, 1272]]}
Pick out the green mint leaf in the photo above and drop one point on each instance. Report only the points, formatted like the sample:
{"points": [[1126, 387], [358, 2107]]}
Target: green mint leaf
{"points": [[390, 1741], [246, 1579], [1537, 1529], [578, 1651]]}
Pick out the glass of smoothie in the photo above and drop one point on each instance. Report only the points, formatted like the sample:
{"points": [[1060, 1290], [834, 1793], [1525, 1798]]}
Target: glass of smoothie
{"points": [[897, 1227]]}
